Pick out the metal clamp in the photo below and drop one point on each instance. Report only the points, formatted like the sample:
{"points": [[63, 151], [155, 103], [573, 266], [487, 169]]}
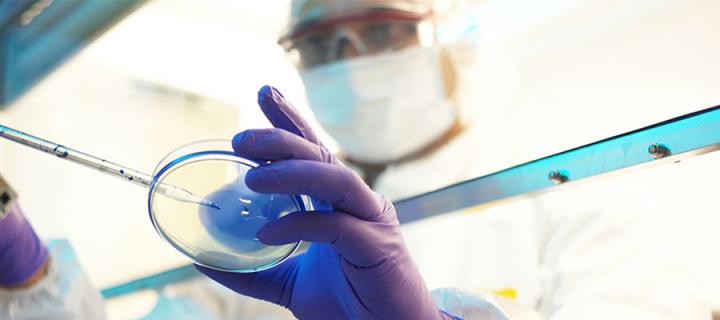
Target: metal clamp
{"points": [[558, 177], [688, 135]]}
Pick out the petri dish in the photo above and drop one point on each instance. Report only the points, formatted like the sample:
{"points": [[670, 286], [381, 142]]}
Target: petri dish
{"points": [[222, 237]]}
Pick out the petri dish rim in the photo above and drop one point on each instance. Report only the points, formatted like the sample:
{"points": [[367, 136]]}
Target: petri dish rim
{"points": [[300, 200], [179, 150]]}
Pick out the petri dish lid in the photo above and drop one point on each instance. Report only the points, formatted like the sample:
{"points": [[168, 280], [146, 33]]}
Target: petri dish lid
{"points": [[220, 238]]}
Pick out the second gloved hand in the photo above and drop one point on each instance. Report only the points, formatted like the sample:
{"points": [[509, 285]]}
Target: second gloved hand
{"points": [[357, 266], [22, 254]]}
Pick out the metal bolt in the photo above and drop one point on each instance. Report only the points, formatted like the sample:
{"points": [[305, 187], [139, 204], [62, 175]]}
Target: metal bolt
{"points": [[557, 177], [658, 151]]}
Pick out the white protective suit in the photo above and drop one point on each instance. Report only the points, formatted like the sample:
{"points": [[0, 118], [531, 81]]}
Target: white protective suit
{"points": [[64, 293], [595, 251]]}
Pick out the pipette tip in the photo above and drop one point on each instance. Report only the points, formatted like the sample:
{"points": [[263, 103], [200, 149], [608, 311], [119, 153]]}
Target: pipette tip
{"points": [[210, 204]]}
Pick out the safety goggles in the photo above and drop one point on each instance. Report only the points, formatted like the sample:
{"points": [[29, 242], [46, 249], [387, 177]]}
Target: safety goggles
{"points": [[355, 36]]}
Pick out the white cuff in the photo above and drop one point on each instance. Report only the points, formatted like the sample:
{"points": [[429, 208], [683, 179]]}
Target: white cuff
{"points": [[480, 305]]}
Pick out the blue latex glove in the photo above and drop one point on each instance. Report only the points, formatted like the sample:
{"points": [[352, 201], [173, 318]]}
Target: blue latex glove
{"points": [[22, 254], [357, 266]]}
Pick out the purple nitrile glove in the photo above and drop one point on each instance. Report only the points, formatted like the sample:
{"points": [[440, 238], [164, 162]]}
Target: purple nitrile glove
{"points": [[22, 254], [357, 266]]}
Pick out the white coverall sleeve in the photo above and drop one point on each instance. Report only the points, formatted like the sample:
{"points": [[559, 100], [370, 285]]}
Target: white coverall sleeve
{"points": [[480, 306], [63, 293], [621, 249]]}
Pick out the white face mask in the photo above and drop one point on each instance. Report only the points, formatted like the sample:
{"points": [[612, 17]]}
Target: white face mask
{"points": [[382, 107]]}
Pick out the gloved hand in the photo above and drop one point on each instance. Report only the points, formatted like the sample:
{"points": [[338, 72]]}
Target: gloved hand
{"points": [[357, 266], [22, 254]]}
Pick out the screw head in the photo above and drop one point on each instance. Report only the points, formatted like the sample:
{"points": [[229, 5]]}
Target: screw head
{"points": [[658, 151], [557, 177]]}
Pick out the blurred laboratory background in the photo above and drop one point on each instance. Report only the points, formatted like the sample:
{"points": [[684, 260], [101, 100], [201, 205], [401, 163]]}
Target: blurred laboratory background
{"points": [[163, 73]]}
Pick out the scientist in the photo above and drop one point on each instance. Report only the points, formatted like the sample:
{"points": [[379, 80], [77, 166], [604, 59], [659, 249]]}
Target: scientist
{"points": [[399, 85]]}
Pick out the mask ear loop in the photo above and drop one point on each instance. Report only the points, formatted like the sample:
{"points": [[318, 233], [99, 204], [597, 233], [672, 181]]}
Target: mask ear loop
{"points": [[351, 36], [428, 37]]}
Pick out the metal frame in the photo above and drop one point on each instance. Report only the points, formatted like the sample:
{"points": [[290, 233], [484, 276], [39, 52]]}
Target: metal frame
{"points": [[154, 281], [669, 141]]}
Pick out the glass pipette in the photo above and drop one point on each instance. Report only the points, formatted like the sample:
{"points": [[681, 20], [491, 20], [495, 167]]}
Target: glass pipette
{"points": [[102, 165]]}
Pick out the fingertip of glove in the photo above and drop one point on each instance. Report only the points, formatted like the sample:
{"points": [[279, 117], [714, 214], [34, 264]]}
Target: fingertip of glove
{"points": [[274, 234], [257, 179], [252, 178], [266, 90], [237, 140], [246, 143], [269, 93], [265, 235]]}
